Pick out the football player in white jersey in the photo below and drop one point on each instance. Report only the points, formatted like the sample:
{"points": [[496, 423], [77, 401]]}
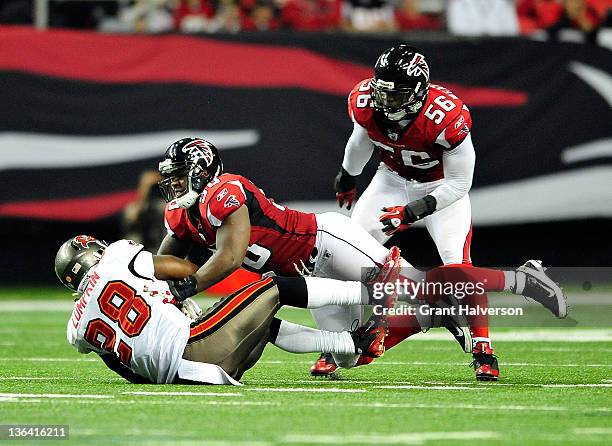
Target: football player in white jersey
{"points": [[127, 313]]}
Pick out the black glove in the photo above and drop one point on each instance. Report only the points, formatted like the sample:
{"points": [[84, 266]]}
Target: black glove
{"points": [[344, 185], [181, 289]]}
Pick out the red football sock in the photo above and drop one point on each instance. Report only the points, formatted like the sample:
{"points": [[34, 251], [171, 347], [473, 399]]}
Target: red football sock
{"points": [[400, 328], [488, 279], [479, 323]]}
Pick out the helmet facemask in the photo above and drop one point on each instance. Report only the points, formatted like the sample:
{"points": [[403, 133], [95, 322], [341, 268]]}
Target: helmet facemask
{"points": [[191, 166], [174, 173], [400, 83], [397, 102]]}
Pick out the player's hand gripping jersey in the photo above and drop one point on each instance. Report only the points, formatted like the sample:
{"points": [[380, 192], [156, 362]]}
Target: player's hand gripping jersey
{"points": [[414, 152], [280, 237], [116, 315]]}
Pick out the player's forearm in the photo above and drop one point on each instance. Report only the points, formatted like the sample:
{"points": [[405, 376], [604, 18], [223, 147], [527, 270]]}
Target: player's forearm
{"points": [[458, 174], [220, 265], [170, 267], [358, 151]]}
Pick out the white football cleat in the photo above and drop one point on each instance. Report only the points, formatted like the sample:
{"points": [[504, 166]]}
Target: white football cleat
{"points": [[532, 282]]}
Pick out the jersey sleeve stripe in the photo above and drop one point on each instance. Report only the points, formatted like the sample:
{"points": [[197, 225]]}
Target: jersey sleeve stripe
{"points": [[214, 221]]}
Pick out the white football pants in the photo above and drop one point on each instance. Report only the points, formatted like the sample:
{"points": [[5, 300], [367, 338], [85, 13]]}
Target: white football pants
{"points": [[450, 228], [344, 248]]}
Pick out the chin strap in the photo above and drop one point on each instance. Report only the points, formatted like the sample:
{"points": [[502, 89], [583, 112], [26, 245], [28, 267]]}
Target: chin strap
{"points": [[188, 199]]}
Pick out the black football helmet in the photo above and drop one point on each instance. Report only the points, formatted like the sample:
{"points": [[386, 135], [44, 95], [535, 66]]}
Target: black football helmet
{"points": [[401, 78], [189, 165], [76, 257]]}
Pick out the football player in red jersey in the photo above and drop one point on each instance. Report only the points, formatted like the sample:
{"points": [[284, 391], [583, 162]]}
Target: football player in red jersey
{"points": [[231, 215], [422, 132]]}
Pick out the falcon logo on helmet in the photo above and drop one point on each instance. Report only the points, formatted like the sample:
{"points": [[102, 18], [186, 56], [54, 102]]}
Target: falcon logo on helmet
{"points": [[418, 66], [189, 165], [401, 80], [199, 149]]}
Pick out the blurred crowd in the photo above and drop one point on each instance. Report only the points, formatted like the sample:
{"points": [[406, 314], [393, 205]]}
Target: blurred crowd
{"points": [[459, 17]]}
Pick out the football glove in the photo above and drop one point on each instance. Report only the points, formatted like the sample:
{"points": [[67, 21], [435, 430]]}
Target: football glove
{"points": [[181, 289], [399, 218], [346, 191], [190, 308]]}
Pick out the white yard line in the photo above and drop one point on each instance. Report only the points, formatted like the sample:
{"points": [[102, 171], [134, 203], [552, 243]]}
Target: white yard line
{"points": [[575, 385], [53, 395], [416, 438], [315, 390], [593, 430], [432, 387], [461, 406], [6, 399], [382, 362], [181, 393], [108, 399], [479, 386], [183, 402], [34, 378], [75, 359]]}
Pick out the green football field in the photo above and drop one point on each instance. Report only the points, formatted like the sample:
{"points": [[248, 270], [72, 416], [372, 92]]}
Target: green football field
{"points": [[556, 388]]}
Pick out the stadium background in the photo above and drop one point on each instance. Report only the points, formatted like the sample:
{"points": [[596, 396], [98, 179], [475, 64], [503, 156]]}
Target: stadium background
{"points": [[84, 114]]}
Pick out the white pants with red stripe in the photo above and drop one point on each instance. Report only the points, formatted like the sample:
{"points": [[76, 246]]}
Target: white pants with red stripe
{"points": [[450, 228], [344, 248]]}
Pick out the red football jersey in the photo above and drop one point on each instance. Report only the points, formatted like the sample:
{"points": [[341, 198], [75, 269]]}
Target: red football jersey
{"points": [[280, 237], [416, 151]]}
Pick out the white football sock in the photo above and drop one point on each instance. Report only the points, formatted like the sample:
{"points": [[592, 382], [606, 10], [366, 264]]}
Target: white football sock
{"points": [[509, 280], [322, 292], [296, 338]]}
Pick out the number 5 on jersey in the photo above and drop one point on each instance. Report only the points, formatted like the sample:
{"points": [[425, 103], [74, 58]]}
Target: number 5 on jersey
{"points": [[437, 115]]}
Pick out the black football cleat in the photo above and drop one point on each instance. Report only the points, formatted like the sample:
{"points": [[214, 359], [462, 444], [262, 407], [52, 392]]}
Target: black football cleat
{"points": [[532, 282], [485, 362], [369, 339], [455, 322], [325, 366]]}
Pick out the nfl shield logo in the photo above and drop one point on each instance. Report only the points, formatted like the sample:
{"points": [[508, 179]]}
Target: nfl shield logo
{"points": [[393, 136]]}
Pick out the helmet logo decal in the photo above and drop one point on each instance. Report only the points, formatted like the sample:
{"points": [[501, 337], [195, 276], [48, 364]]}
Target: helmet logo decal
{"points": [[83, 241], [383, 60], [199, 149], [417, 66]]}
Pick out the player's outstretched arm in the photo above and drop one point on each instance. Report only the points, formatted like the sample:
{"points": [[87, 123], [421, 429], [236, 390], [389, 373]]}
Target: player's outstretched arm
{"points": [[232, 242]]}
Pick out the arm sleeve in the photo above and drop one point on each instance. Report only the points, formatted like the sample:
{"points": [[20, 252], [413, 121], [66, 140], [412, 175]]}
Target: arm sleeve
{"points": [[458, 174], [358, 150]]}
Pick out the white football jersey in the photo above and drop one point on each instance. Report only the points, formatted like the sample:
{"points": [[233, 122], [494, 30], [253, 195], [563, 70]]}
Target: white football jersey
{"points": [[116, 314]]}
